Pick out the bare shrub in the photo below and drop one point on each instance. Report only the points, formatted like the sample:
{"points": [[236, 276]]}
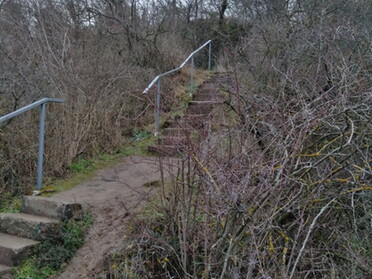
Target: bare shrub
{"points": [[97, 57], [295, 201]]}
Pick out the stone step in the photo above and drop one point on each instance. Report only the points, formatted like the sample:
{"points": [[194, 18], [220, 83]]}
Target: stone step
{"points": [[166, 150], [206, 90], [222, 80], [206, 103], [174, 137], [175, 132], [48, 207], [203, 97], [198, 121], [4, 271], [193, 118], [207, 98], [183, 124], [169, 140], [190, 122], [27, 226], [211, 103], [14, 249], [222, 73], [200, 108]]}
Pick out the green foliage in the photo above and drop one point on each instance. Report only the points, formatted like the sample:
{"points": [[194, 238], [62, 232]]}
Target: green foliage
{"points": [[30, 270], [141, 141], [139, 135], [10, 204], [81, 165], [53, 254]]}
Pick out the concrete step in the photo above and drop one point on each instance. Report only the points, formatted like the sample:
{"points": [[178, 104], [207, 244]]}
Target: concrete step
{"points": [[225, 80], [175, 132], [198, 121], [166, 150], [193, 118], [221, 81], [27, 226], [170, 140], [44, 206], [204, 97], [4, 271], [191, 122], [207, 90], [224, 73], [206, 103], [183, 124], [200, 108], [14, 249], [203, 103], [175, 135]]}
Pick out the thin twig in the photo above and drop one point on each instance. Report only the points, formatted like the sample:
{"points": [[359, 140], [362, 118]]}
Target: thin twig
{"points": [[308, 235]]}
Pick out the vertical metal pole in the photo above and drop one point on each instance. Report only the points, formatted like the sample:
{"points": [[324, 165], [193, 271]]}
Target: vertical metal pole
{"points": [[40, 156], [157, 114], [192, 76], [210, 56]]}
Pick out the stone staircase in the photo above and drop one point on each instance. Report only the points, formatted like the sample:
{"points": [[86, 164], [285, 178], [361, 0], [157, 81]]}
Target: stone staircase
{"points": [[178, 134], [21, 232]]}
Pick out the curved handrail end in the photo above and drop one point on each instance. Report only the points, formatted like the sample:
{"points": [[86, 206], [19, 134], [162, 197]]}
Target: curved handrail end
{"points": [[176, 69]]}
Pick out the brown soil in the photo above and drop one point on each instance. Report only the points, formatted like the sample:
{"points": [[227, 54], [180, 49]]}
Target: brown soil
{"points": [[114, 197]]}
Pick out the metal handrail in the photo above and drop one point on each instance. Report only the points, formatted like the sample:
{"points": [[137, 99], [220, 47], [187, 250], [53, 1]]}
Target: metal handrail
{"points": [[40, 156], [157, 79]]}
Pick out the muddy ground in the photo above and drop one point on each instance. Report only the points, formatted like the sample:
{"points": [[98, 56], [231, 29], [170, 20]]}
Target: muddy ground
{"points": [[114, 196]]}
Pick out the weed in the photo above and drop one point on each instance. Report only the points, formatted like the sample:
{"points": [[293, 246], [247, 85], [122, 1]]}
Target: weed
{"points": [[30, 270], [53, 253], [10, 204], [81, 165], [140, 135]]}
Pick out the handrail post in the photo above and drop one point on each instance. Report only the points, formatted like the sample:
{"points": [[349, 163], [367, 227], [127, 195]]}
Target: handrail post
{"points": [[192, 76], [157, 116], [210, 56], [157, 80], [40, 156]]}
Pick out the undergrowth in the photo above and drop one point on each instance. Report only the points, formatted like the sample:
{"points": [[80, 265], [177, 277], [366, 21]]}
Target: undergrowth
{"points": [[10, 204], [53, 254]]}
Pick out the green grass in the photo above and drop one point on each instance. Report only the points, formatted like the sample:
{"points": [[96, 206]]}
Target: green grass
{"points": [[30, 270], [84, 169]]}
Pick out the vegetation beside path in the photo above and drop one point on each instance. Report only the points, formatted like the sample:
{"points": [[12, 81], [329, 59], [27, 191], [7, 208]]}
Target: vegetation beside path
{"points": [[281, 187], [54, 253]]}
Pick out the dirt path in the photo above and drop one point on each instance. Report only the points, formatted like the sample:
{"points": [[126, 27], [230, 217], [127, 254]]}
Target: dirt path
{"points": [[114, 196]]}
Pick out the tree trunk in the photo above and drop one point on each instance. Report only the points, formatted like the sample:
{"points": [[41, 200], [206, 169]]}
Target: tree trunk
{"points": [[222, 10]]}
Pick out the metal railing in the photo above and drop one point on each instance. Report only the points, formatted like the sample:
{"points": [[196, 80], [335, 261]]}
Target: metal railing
{"points": [[40, 156], [158, 78]]}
